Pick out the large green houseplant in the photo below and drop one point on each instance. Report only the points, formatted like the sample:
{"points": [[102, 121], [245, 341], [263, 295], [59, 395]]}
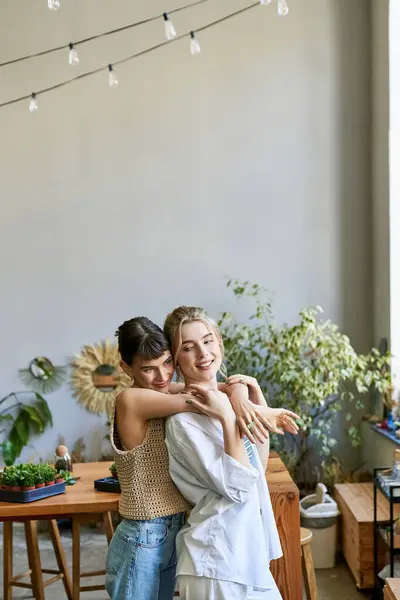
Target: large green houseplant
{"points": [[18, 421], [310, 368]]}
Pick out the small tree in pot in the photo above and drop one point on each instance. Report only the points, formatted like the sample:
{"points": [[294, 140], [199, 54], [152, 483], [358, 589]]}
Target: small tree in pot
{"points": [[307, 368]]}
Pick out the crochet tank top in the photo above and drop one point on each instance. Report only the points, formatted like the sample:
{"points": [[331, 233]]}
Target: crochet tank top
{"points": [[147, 490]]}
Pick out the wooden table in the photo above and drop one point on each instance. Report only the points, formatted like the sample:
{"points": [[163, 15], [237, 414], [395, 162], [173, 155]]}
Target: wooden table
{"points": [[286, 504], [81, 502]]}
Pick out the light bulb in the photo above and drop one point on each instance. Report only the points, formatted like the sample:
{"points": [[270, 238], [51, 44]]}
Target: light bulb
{"points": [[53, 4], [283, 8], [194, 44], [73, 57], [33, 103], [265, 1], [112, 78], [170, 32]]}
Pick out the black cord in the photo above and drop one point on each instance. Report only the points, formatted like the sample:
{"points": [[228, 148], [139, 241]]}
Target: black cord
{"points": [[131, 57], [100, 35]]}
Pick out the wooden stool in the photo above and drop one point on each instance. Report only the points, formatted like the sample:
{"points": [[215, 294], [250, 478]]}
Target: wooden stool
{"points": [[35, 570], [307, 564], [77, 521]]}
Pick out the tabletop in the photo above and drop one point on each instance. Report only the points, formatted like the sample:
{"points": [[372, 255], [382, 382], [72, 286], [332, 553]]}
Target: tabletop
{"points": [[83, 498], [80, 498]]}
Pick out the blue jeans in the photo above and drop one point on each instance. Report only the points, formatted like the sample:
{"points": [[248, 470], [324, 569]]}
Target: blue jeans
{"points": [[141, 559]]}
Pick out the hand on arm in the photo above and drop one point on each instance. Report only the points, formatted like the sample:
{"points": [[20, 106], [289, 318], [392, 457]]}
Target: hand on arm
{"points": [[279, 419], [245, 412], [255, 392]]}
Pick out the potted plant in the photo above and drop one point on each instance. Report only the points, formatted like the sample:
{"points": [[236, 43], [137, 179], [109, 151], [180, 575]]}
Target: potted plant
{"points": [[39, 481], [27, 479], [60, 477], [10, 479], [113, 471], [1, 480], [67, 477], [49, 474], [309, 368]]}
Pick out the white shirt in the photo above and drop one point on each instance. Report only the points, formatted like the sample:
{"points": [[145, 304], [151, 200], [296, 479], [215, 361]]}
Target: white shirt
{"points": [[231, 532]]}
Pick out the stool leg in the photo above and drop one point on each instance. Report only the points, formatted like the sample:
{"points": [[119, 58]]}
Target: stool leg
{"points": [[307, 565], [34, 559], [108, 526], [76, 557], [8, 558], [60, 557]]}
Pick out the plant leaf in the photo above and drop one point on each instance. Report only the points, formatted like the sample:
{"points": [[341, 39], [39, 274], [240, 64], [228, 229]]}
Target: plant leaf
{"points": [[35, 419], [43, 407], [15, 440], [21, 427], [9, 454]]}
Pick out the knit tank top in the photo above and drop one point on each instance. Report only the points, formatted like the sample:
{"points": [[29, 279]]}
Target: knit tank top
{"points": [[147, 490]]}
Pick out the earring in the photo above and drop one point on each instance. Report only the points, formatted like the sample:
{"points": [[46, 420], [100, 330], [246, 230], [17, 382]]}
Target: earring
{"points": [[178, 373]]}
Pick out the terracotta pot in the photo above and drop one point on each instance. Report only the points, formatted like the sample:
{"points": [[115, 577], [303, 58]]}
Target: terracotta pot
{"points": [[14, 488], [49, 483], [28, 488], [60, 479], [39, 486]]}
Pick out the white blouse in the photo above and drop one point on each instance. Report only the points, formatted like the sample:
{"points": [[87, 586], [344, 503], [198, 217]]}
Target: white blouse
{"points": [[231, 532]]}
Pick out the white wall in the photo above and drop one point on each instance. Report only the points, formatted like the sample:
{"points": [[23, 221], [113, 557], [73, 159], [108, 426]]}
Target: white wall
{"points": [[251, 160]]}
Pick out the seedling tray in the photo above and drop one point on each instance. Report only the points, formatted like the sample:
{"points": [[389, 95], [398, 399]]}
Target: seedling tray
{"points": [[107, 484], [32, 495]]}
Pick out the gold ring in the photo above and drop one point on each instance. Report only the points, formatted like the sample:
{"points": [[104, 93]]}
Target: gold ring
{"points": [[250, 425]]}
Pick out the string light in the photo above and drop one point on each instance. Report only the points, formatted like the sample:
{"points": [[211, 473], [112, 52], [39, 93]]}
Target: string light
{"points": [[112, 78], [170, 32], [194, 44], [283, 8], [73, 57], [33, 103], [53, 4]]}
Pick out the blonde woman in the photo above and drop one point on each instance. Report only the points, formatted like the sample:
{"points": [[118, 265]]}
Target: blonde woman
{"points": [[230, 538]]}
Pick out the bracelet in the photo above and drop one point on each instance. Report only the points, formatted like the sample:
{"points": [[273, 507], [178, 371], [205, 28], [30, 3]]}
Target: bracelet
{"points": [[236, 382]]}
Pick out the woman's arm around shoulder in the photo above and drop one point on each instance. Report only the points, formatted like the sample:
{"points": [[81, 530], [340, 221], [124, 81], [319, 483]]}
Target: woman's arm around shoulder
{"points": [[146, 404]]}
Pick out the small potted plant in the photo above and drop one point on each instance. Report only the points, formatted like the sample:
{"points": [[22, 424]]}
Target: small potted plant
{"points": [[27, 480], [113, 471], [39, 482], [1, 480], [10, 479], [60, 477], [49, 474]]}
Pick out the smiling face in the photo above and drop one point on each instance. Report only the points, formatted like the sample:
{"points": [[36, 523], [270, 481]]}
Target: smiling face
{"points": [[199, 356], [155, 374]]}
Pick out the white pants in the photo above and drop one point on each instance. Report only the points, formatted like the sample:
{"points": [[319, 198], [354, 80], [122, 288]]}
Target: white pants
{"points": [[204, 588]]}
